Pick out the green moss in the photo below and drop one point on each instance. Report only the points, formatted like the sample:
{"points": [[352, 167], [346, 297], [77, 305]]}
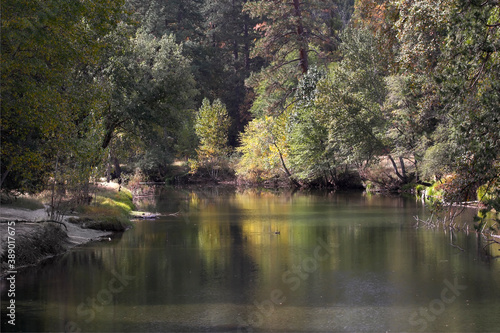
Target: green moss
{"points": [[114, 205], [125, 197]]}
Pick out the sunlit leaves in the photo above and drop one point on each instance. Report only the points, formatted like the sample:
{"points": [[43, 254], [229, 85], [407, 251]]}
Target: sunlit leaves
{"points": [[263, 144], [421, 29], [212, 127]]}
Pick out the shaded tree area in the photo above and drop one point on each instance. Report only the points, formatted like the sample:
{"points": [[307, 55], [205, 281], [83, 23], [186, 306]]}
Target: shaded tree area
{"points": [[217, 37], [314, 93], [51, 106], [293, 36]]}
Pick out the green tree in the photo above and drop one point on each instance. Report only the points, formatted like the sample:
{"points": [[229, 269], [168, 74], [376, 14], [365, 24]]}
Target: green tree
{"points": [[351, 97], [412, 112], [294, 35], [151, 91], [292, 30], [264, 150], [379, 17], [421, 28], [212, 126], [223, 61], [183, 18], [311, 158], [217, 37], [469, 80], [49, 53]]}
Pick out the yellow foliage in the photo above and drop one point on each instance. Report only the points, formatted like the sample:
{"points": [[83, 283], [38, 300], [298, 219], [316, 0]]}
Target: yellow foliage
{"points": [[262, 143]]}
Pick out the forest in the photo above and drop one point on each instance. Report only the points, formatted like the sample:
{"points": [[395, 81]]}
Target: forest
{"points": [[384, 94]]}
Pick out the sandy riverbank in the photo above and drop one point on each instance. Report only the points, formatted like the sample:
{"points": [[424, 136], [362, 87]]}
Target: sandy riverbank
{"points": [[76, 234]]}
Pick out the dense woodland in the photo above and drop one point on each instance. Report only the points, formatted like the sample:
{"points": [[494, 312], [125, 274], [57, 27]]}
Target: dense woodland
{"points": [[327, 93]]}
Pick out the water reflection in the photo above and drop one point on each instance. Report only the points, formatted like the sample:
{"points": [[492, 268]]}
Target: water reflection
{"points": [[341, 262]]}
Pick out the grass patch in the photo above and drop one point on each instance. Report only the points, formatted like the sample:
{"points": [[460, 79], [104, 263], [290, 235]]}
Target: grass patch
{"points": [[110, 211], [120, 199]]}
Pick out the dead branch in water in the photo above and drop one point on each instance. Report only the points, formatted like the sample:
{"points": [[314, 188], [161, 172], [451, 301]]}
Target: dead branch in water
{"points": [[446, 224], [451, 225]]}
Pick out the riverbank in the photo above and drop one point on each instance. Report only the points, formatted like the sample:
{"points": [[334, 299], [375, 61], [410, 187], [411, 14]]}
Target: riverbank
{"points": [[31, 242], [29, 237]]}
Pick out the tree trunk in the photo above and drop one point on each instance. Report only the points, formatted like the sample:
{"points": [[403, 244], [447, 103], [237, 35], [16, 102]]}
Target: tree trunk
{"points": [[108, 169], [247, 42], [5, 174], [403, 169], [401, 177], [235, 42], [118, 169], [295, 182], [107, 138], [304, 63]]}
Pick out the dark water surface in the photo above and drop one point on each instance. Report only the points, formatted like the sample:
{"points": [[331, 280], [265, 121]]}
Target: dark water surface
{"points": [[340, 263]]}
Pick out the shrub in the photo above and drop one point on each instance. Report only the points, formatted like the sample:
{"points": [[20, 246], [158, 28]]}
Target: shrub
{"points": [[419, 189]]}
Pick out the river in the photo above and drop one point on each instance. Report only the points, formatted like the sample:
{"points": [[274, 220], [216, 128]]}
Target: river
{"points": [[258, 261]]}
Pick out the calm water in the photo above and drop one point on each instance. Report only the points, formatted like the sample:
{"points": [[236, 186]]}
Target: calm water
{"points": [[341, 263]]}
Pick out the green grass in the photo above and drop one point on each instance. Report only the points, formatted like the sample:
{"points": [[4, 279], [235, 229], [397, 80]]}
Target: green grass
{"points": [[110, 211]]}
